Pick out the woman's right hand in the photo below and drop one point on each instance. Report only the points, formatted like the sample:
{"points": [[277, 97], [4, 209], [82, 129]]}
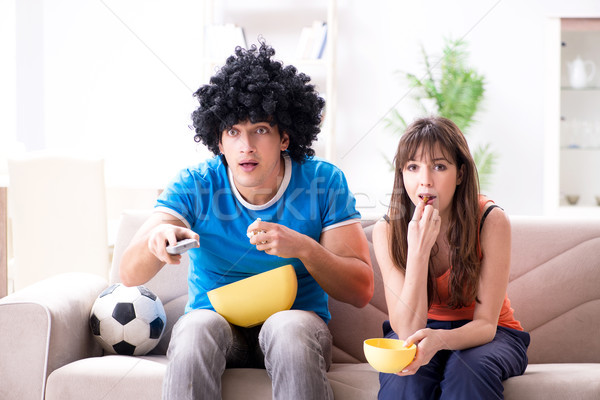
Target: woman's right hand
{"points": [[429, 342], [424, 228], [164, 235]]}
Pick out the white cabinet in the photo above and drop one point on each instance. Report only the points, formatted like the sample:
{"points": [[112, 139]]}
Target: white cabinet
{"points": [[573, 117], [281, 23]]}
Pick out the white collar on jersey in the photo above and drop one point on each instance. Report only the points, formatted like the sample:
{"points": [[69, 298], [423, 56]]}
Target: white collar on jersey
{"points": [[287, 175]]}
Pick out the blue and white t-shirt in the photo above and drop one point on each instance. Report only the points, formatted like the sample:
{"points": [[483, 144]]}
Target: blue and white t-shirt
{"points": [[312, 198]]}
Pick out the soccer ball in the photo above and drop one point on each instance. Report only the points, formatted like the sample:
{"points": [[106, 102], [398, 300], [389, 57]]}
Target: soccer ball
{"points": [[127, 320]]}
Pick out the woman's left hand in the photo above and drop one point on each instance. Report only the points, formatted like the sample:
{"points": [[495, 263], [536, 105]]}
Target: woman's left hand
{"points": [[428, 342]]}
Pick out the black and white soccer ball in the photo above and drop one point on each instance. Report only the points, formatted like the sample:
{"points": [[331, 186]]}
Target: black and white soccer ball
{"points": [[127, 320]]}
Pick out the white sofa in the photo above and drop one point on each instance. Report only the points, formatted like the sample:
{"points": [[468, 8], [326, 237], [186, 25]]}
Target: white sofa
{"points": [[47, 351]]}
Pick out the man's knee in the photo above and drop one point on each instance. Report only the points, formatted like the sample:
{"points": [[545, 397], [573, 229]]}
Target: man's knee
{"points": [[197, 356], [200, 327], [294, 324], [296, 332]]}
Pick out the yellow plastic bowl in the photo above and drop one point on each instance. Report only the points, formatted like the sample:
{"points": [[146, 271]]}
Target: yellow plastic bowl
{"points": [[251, 301], [388, 355]]}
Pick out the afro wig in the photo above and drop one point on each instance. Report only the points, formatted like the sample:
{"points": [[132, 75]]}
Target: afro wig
{"points": [[252, 87]]}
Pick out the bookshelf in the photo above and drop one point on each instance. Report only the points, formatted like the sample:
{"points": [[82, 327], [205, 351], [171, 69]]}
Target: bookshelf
{"points": [[303, 34], [572, 121]]}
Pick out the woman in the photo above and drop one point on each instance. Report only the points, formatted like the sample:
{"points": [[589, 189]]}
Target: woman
{"points": [[444, 254]]}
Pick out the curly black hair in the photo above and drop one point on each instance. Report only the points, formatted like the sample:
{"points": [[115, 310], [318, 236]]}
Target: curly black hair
{"points": [[253, 87]]}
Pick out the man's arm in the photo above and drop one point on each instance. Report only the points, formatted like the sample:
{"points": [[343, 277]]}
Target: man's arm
{"points": [[147, 254], [339, 262], [342, 264]]}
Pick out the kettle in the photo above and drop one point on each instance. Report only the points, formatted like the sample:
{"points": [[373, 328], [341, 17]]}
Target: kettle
{"points": [[579, 76]]}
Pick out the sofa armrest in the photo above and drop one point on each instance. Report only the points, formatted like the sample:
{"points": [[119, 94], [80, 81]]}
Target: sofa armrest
{"points": [[45, 326]]}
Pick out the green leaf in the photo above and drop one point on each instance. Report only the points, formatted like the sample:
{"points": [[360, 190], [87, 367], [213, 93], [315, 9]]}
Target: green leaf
{"points": [[485, 160], [457, 91], [395, 122]]}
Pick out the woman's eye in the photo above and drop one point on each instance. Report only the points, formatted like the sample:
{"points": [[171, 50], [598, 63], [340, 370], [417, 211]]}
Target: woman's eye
{"points": [[411, 167], [440, 167]]}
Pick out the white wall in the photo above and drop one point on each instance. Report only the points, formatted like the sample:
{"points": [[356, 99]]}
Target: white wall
{"points": [[8, 87], [506, 43], [117, 78]]}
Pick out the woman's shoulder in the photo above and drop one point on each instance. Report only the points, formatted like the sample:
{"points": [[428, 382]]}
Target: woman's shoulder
{"points": [[491, 211], [380, 230], [496, 219]]}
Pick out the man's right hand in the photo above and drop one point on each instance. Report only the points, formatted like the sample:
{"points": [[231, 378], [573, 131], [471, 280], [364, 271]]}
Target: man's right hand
{"points": [[147, 251], [164, 235]]}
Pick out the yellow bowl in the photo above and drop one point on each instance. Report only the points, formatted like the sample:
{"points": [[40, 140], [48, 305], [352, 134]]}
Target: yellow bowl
{"points": [[388, 355], [249, 302]]}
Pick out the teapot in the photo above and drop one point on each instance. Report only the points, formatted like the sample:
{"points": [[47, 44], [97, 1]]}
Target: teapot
{"points": [[579, 76]]}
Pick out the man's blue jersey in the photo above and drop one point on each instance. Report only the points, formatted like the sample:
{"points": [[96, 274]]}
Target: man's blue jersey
{"points": [[313, 197]]}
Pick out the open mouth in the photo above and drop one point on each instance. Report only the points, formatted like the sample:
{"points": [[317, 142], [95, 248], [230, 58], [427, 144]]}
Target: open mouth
{"points": [[248, 165], [427, 198]]}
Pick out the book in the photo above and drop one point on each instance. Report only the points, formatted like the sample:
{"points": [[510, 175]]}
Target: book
{"points": [[318, 47], [312, 41]]}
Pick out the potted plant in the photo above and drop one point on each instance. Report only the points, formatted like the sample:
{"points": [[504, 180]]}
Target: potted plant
{"points": [[453, 90]]}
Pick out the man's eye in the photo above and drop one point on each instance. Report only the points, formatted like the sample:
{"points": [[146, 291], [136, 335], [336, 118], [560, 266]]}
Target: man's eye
{"points": [[261, 131], [232, 132]]}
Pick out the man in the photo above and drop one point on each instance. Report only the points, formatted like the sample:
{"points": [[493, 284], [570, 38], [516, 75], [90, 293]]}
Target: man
{"points": [[260, 119]]}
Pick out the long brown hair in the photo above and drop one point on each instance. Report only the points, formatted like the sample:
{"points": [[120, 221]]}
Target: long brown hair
{"points": [[425, 134]]}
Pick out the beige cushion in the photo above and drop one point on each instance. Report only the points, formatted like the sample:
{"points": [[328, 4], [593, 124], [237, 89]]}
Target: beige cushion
{"points": [[555, 382], [111, 377], [364, 323], [58, 217], [121, 377], [554, 287]]}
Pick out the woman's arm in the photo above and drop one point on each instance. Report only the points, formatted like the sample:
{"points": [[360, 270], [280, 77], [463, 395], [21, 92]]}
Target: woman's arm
{"points": [[406, 293], [495, 243]]}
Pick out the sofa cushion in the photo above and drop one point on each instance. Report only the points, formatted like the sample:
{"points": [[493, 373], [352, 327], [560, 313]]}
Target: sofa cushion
{"points": [[122, 377], [111, 377], [348, 381], [363, 323], [555, 382], [118, 377], [170, 282], [354, 381], [554, 288]]}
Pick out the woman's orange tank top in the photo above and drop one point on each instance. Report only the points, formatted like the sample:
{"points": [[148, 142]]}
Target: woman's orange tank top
{"points": [[440, 311]]}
